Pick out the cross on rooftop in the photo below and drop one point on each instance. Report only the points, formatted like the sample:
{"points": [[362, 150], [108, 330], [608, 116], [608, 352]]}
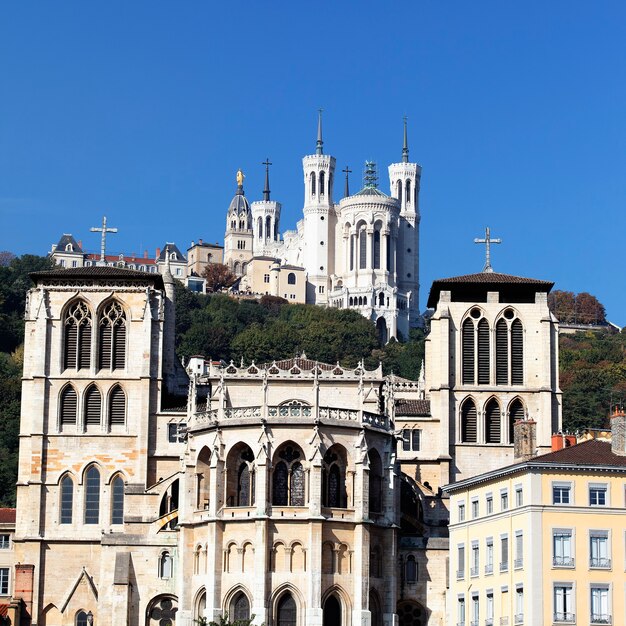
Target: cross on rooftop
{"points": [[487, 241], [347, 171], [104, 230]]}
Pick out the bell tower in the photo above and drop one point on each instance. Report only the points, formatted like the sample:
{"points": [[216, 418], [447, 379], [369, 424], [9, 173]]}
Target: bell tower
{"points": [[238, 240]]}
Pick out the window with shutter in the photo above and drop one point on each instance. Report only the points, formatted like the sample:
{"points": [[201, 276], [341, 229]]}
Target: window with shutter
{"points": [[77, 342], [492, 422], [69, 405], [112, 337], [517, 353], [93, 406], [502, 353], [483, 352], [468, 352], [516, 412], [469, 422], [117, 407]]}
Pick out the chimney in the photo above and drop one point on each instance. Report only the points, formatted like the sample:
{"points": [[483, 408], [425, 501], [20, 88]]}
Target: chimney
{"points": [[200, 241], [524, 440], [561, 440], [80, 244], [618, 431], [158, 254]]}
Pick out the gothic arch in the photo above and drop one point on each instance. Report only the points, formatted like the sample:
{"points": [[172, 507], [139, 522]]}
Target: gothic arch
{"points": [[92, 407], [492, 420], [288, 476], [278, 597], [515, 411], [203, 474], [334, 484], [112, 334], [161, 607], [336, 608], [469, 421], [78, 319], [199, 604], [68, 406], [116, 407], [375, 481], [236, 601], [240, 474]]}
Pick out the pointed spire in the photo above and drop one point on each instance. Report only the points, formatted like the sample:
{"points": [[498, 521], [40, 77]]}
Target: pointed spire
{"points": [[266, 190], [319, 149], [405, 145], [346, 191]]}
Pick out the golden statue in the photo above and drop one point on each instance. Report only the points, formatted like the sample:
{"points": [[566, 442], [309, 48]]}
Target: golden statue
{"points": [[240, 177]]}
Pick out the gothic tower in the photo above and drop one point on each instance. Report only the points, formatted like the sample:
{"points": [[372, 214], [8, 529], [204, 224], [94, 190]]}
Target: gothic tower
{"points": [[404, 179], [265, 218], [319, 220], [238, 240]]}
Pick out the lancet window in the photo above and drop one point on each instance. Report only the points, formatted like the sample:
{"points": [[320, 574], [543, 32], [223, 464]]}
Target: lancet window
{"points": [[77, 343], [112, 337]]}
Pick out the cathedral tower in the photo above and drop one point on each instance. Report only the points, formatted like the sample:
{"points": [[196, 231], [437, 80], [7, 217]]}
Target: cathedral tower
{"points": [[238, 240], [265, 218], [404, 179], [319, 220]]}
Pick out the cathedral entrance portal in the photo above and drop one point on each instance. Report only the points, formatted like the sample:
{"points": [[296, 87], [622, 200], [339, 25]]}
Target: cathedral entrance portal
{"points": [[332, 611]]}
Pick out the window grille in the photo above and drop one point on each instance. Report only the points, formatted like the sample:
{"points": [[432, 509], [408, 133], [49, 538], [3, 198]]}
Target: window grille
{"points": [[112, 337], [492, 422], [69, 406], [93, 406], [117, 407], [502, 353], [483, 352], [468, 352], [469, 422]]}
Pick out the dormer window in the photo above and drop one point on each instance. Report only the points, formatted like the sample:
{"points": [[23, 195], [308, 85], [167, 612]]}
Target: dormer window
{"points": [[69, 248], [173, 256]]}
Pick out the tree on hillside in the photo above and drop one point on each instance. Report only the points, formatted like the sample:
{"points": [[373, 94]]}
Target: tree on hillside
{"points": [[5, 258], [218, 277], [582, 308]]}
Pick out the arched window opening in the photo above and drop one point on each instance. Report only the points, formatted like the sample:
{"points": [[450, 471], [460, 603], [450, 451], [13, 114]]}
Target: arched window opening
{"points": [[492, 422], [268, 228], [117, 501], [93, 407], [469, 422], [381, 299], [411, 569], [332, 612], [288, 488], [82, 619], [169, 504], [67, 500], [376, 614], [286, 611], [408, 192], [243, 487], [322, 183], [291, 278], [240, 476], [165, 565], [502, 353], [313, 183], [399, 190], [468, 352], [516, 413], [352, 252], [240, 607], [112, 341], [376, 254], [162, 611], [117, 407], [69, 406], [517, 353], [77, 345], [334, 480], [362, 249], [364, 300], [203, 470], [92, 496], [260, 228], [200, 604], [483, 352], [375, 482]]}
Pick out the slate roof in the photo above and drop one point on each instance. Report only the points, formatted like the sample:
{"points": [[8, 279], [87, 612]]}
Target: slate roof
{"points": [[66, 239], [371, 191], [7, 516], [172, 247], [413, 408], [96, 272]]}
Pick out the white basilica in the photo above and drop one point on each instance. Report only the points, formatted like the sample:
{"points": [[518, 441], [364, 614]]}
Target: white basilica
{"points": [[361, 252]]}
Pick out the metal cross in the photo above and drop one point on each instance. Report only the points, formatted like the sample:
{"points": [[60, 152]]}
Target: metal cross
{"points": [[347, 189], [487, 241], [267, 162], [104, 230]]}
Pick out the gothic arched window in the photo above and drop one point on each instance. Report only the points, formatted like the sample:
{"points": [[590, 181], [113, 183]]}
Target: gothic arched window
{"points": [[517, 353], [286, 610], [240, 608], [67, 500], [468, 352], [411, 569], [375, 482], [117, 407], [469, 422], [483, 352], [93, 407], [376, 255], [82, 619], [165, 565], [112, 340], [333, 480], [68, 406], [268, 227], [408, 192], [475, 349], [117, 501], [362, 249], [77, 344], [288, 487], [260, 228], [399, 190], [92, 496], [509, 349], [492, 422], [516, 413], [322, 183], [312, 183], [291, 278]]}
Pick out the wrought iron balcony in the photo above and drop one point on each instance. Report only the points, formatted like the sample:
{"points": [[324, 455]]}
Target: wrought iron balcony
{"points": [[565, 617], [600, 563], [563, 561]]}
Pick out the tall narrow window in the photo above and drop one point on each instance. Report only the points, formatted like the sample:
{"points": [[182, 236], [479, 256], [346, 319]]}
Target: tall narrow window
{"points": [[268, 227], [517, 353], [82, 619], [516, 413], [411, 569], [69, 406], [468, 352], [243, 485], [376, 254], [296, 492], [502, 353], [280, 484], [117, 407], [351, 252], [322, 183], [117, 501], [77, 346], [375, 482], [313, 183], [92, 496], [492, 422], [93, 406], [362, 249], [165, 565], [240, 608], [286, 611], [112, 337], [67, 500], [260, 228], [399, 190], [483, 352], [469, 422], [408, 191]]}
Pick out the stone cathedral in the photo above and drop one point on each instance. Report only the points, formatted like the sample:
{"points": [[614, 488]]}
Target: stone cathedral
{"points": [[361, 252], [298, 492]]}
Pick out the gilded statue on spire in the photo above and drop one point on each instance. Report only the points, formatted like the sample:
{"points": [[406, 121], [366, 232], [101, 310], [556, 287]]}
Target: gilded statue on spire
{"points": [[240, 177]]}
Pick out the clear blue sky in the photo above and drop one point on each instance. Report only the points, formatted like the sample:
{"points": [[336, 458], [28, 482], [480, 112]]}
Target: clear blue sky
{"points": [[143, 111]]}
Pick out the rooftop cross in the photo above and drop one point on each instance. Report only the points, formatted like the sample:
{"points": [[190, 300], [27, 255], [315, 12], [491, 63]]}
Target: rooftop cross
{"points": [[266, 191], [487, 241], [347, 171], [104, 230]]}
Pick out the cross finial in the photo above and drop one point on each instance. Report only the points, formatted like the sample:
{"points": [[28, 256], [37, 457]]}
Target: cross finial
{"points": [[104, 230], [487, 241], [266, 191], [319, 149], [405, 145], [347, 171]]}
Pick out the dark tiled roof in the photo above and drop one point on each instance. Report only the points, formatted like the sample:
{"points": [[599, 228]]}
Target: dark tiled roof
{"points": [[371, 191], [65, 240], [98, 271], [7, 516], [413, 407], [172, 248], [592, 452], [493, 278]]}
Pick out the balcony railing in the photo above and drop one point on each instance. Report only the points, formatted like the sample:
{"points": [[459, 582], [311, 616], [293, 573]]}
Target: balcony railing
{"points": [[565, 617], [504, 567], [489, 621], [600, 563], [519, 618], [600, 618], [518, 563], [489, 568], [504, 620], [474, 571], [563, 561], [460, 574]]}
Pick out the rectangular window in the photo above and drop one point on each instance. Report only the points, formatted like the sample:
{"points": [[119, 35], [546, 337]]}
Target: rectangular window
{"points": [[600, 613], [176, 432], [504, 500], [489, 556], [519, 549], [475, 610], [411, 439], [474, 509], [4, 581], [519, 605], [320, 289], [562, 548], [599, 556], [597, 495], [489, 609], [461, 512], [519, 496], [563, 603], [460, 570], [475, 559], [489, 504], [416, 436], [266, 278], [5, 541], [461, 611], [504, 553], [561, 493]]}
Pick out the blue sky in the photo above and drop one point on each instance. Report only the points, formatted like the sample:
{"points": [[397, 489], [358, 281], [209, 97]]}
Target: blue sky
{"points": [[143, 111]]}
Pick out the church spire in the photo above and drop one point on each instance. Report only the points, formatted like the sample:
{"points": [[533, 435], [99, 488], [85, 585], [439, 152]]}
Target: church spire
{"points": [[319, 148], [405, 145], [266, 190], [346, 191]]}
